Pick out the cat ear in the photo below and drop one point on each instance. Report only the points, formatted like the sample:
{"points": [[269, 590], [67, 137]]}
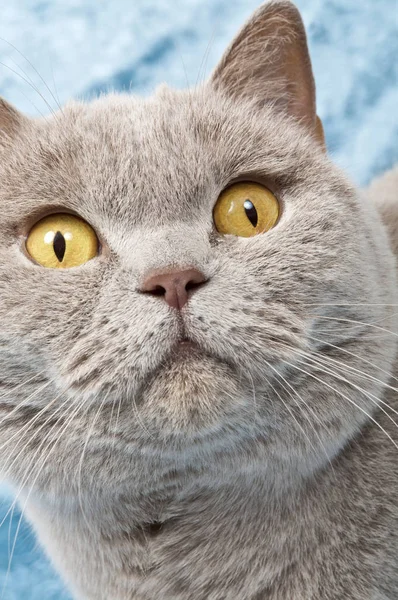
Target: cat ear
{"points": [[269, 62], [10, 120]]}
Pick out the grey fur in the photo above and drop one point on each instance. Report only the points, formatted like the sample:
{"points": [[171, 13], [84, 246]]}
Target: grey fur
{"points": [[265, 488]]}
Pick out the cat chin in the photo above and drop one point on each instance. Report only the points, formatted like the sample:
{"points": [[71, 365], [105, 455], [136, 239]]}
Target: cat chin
{"points": [[191, 391]]}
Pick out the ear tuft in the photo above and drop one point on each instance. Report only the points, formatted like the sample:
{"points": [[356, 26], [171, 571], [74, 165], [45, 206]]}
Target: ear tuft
{"points": [[268, 62], [10, 120]]}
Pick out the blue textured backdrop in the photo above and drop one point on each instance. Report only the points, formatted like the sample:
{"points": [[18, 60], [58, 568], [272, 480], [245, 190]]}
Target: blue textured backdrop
{"points": [[83, 47]]}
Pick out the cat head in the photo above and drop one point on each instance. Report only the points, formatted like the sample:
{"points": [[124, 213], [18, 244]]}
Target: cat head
{"points": [[222, 285]]}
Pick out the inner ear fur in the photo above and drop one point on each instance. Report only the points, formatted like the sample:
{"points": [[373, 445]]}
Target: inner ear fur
{"points": [[269, 62]]}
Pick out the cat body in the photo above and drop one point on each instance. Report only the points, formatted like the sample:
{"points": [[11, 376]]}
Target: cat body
{"points": [[239, 538], [238, 444]]}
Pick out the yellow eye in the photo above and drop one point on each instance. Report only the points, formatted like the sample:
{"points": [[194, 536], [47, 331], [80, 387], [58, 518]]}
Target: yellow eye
{"points": [[62, 241], [245, 209]]}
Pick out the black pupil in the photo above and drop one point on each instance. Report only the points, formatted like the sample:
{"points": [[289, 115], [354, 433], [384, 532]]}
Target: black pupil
{"points": [[251, 212], [59, 246]]}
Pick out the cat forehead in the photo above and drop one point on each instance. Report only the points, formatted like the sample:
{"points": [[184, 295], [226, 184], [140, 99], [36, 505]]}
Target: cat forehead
{"points": [[177, 127], [157, 156]]}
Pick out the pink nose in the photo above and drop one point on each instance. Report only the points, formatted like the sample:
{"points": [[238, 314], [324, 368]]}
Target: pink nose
{"points": [[173, 286]]}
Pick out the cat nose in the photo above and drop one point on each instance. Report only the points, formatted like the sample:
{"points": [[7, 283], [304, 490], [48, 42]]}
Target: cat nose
{"points": [[173, 286]]}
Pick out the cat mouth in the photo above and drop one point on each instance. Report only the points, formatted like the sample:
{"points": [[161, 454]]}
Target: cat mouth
{"points": [[188, 350], [185, 347]]}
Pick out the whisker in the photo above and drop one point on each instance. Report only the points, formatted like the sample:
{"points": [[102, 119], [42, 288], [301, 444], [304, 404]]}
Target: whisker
{"points": [[33, 420], [290, 411], [345, 351], [19, 385], [69, 420], [368, 394], [37, 109], [205, 58], [368, 378], [29, 425], [27, 470], [55, 87], [79, 468], [254, 396], [357, 322], [348, 304], [347, 398], [355, 329], [306, 416], [35, 70], [32, 86], [43, 441], [111, 415], [117, 419], [178, 48]]}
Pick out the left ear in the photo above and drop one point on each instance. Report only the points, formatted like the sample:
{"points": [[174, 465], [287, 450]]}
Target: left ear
{"points": [[10, 119], [269, 62]]}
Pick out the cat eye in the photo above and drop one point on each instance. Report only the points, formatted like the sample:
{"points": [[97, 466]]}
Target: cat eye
{"points": [[245, 209], [62, 241]]}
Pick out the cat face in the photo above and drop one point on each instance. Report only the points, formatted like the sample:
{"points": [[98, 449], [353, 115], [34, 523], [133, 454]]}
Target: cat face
{"points": [[278, 326]]}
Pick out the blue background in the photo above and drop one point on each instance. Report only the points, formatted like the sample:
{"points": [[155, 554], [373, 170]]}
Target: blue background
{"points": [[84, 47]]}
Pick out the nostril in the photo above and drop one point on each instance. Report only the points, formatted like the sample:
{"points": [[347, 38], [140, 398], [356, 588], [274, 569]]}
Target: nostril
{"points": [[157, 291], [192, 285]]}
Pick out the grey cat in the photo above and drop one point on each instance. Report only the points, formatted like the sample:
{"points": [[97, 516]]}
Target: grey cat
{"points": [[197, 340]]}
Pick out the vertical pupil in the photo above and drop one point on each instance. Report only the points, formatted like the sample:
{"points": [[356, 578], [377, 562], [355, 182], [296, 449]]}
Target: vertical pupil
{"points": [[59, 246], [251, 212]]}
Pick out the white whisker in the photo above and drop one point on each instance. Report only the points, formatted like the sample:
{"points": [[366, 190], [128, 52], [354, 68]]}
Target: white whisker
{"points": [[369, 395], [35, 70], [303, 412], [347, 398], [80, 465], [345, 351], [58, 438], [358, 323]]}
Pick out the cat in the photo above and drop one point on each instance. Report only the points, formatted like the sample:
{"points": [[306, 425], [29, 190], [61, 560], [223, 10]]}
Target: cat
{"points": [[198, 333]]}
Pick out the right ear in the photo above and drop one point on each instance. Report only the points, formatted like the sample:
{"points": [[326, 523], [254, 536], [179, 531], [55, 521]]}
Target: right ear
{"points": [[268, 62], [10, 121]]}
